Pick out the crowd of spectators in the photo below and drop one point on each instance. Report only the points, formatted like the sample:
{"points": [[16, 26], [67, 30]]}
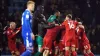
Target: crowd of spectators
{"points": [[87, 10]]}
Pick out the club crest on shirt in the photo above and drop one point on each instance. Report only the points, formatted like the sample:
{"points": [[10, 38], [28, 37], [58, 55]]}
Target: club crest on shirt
{"points": [[27, 16]]}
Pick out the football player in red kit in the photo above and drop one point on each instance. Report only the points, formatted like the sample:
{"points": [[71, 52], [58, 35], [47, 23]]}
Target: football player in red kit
{"points": [[84, 44], [11, 33], [70, 25], [70, 45], [59, 44], [50, 34], [48, 39]]}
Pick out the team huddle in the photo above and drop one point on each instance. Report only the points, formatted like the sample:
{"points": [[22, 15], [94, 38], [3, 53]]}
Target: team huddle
{"points": [[72, 35]]}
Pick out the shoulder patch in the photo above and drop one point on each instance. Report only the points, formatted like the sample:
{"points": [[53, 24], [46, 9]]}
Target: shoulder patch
{"points": [[27, 16]]}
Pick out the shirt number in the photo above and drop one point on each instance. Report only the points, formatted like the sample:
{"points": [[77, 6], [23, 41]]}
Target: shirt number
{"points": [[71, 25]]}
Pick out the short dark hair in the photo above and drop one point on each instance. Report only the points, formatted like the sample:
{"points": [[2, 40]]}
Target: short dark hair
{"points": [[56, 11], [70, 16]]}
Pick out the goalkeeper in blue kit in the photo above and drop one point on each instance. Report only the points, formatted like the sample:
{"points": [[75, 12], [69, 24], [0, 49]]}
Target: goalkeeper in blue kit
{"points": [[27, 33]]}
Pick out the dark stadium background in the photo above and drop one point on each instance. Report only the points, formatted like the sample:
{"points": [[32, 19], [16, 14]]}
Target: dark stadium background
{"points": [[87, 10]]}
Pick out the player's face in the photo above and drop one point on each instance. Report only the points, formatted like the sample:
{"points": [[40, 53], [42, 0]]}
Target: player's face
{"points": [[13, 26], [58, 13], [32, 6], [67, 18]]}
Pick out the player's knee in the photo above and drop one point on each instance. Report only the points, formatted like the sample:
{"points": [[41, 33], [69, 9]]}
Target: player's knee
{"points": [[89, 51], [12, 52], [56, 51], [67, 48], [73, 48], [43, 52], [17, 53], [47, 51], [61, 53]]}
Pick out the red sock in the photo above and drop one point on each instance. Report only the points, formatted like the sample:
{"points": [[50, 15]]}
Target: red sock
{"points": [[74, 53], [85, 54], [67, 53], [91, 54]]}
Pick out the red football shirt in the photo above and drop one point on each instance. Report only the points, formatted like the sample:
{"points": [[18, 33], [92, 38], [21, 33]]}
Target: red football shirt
{"points": [[11, 35], [52, 32], [11, 39], [70, 26], [82, 35]]}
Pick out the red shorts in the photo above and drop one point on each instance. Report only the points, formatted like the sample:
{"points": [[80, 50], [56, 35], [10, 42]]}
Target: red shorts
{"points": [[47, 43], [87, 46], [84, 46], [59, 45], [70, 41], [12, 46]]}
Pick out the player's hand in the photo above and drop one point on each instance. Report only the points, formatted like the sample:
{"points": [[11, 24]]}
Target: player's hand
{"points": [[81, 26], [17, 53], [32, 35], [80, 23], [56, 24]]}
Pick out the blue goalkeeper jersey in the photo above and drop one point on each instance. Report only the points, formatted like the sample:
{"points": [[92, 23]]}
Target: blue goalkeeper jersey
{"points": [[26, 22]]}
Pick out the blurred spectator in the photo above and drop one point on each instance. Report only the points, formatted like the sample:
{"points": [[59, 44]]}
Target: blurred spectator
{"points": [[98, 47], [94, 49], [1, 36], [5, 51]]}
